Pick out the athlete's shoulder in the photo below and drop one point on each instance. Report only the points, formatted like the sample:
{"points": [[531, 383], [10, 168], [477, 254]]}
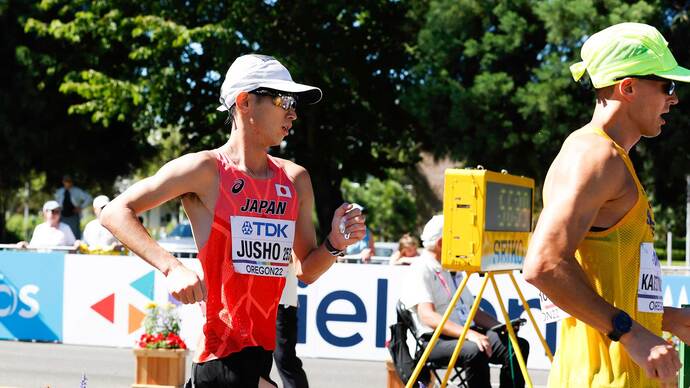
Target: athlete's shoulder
{"points": [[587, 149], [206, 158], [192, 163], [587, 161], [293, 170]]}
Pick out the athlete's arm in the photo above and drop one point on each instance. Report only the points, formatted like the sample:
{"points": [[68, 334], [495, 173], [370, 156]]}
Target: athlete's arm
{"points": [[677, 321], [579, 184], [189, 173], [312, 259]]}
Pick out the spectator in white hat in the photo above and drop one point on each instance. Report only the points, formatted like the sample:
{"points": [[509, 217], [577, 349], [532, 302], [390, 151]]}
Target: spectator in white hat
{"points": [[427, 294], [95, 235], [251, 213], [52, 232]]}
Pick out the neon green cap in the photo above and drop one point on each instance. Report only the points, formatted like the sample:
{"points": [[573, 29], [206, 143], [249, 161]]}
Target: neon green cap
{"points": [[627, 49]]}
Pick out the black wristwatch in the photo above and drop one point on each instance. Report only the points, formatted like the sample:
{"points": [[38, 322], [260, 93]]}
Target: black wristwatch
{"points": [[622, 323], [331, 249]]}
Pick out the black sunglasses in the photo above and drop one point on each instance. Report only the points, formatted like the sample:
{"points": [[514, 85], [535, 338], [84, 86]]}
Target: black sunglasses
{"points": [[280, 99], [669, 85]]}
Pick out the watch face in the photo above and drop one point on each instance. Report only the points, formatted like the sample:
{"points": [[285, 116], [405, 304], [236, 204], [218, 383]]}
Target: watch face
{"points": [[622, 322]]}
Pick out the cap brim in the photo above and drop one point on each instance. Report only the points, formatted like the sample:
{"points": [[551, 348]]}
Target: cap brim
{"points": [[678, 73]]}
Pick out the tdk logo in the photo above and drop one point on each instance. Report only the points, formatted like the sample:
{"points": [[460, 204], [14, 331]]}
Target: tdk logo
{"points": [[247, 227], [266, 229]]}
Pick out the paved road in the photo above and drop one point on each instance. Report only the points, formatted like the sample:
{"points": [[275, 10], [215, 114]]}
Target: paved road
{"points": [[40, 365]]}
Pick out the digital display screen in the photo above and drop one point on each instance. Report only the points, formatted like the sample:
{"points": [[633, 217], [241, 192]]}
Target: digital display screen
{"points": [[508, 208]]}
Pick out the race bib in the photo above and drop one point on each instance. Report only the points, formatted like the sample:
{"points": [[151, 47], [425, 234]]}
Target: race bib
{"points": [[649, 295], [261, 246], [549, 311]]}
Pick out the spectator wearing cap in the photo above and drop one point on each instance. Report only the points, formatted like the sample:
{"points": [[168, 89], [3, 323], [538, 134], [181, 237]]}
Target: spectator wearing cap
{"points": [[72, 200], [52, 232], [232, 194], [95, 235], [427, 294], [364, 247]]}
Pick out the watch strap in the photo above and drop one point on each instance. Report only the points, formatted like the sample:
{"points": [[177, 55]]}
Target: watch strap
{"points": [[331, 249]]}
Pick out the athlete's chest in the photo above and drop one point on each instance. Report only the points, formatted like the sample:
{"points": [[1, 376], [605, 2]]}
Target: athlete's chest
{"points": [[616, 208]]}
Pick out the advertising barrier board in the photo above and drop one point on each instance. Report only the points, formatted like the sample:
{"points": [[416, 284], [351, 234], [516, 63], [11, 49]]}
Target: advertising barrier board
{"points": [[31, 295], [100, 300]]}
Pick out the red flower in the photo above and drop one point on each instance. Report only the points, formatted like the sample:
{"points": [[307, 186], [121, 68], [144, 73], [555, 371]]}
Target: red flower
{"points": [[161, 325]]}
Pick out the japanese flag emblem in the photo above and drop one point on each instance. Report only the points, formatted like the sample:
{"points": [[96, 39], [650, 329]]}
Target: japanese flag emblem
{"points": [[283, 191]]}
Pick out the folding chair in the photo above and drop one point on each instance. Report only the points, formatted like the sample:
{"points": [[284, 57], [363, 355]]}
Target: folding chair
{"points": [[405, 317]]}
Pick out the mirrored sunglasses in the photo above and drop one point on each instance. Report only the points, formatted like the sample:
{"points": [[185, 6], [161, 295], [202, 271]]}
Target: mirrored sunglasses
{"points": [[283, 100]]}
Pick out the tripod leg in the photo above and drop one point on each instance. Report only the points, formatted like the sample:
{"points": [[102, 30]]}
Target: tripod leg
{"points": [[531, 318], [437, 332], [511, 334], [466, 328]]}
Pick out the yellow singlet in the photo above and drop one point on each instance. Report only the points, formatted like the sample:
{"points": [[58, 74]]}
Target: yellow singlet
{"points": [[612, 261]]}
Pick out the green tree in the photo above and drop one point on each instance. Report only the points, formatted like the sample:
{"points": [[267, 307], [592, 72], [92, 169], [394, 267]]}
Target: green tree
{"points": [[493, 86], [38, 135], [391, 206], [154, 66]]}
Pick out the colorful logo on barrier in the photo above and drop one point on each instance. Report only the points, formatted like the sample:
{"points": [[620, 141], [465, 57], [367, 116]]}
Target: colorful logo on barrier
{"points": [[31, 300], [105, 307]]}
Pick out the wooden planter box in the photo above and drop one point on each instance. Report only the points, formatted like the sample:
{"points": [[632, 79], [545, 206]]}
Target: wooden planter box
{"points": [[160, 368]]}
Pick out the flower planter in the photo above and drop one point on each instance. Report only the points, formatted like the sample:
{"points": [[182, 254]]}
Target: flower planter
{"points": [[161, 368]]}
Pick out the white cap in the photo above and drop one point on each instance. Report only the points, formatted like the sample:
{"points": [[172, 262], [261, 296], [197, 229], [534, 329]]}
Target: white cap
{"points": [[100, 201], [51, 205], [433, 231], [254, 71]]}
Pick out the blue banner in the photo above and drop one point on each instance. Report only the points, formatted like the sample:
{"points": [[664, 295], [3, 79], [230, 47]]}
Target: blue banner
{"points": [[31, 295], [676, 289]]}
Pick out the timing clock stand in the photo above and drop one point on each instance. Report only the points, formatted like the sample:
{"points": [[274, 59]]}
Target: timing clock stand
{"points": [[486, 230]]}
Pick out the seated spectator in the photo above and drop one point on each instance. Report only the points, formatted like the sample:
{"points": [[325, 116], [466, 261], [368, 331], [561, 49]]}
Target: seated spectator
{"points": [[364, 247], [407, 251], [52, 232], [427, 295], [96, 237]]}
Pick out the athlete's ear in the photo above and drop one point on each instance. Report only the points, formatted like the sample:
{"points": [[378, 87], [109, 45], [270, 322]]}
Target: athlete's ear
{"points": [[242, 101], [627, 88]]}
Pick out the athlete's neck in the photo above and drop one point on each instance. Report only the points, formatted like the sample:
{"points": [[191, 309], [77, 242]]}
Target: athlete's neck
{"points": [[612, 117], [249, 158]]}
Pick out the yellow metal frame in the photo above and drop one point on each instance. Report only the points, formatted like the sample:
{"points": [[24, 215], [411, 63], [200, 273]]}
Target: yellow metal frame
{"points": [[473, 311], [467, 245]]}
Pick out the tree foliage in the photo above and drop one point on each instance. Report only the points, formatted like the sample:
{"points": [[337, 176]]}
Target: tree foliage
{"points": [[390, 206], [492, 84], [103, 88], [156, 68]]}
